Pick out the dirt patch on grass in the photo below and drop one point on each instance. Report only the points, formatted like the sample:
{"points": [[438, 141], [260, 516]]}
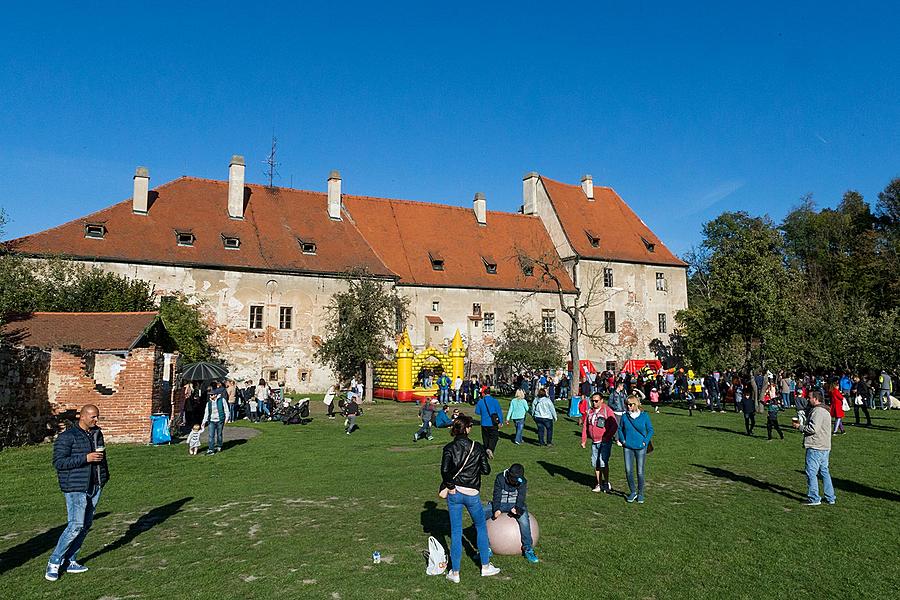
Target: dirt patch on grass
{"points": [[239, 433]]}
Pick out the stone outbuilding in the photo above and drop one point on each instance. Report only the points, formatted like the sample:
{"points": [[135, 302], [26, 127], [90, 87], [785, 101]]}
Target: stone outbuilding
{"points": [[122, 362]]}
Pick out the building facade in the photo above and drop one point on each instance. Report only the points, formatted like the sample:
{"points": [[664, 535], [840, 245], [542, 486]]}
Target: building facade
{"points": [[266, 261]]}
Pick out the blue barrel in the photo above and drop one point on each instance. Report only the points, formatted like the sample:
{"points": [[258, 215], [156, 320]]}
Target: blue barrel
{"points": [[573, 407], [159, 429]]}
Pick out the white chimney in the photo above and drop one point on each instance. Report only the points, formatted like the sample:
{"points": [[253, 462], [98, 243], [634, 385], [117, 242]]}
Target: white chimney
{"points": [[587, 185], [140, 198], [529, 193], [236, 187], [334, 195], [480, 207]]}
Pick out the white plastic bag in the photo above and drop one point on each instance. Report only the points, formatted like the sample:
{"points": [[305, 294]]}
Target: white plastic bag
{"points": [[436, 557]]}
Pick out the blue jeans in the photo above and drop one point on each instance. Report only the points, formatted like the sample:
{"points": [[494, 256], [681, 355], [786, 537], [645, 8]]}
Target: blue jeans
{"points": [[215, 434], [885, 398], [455, 504], [424, 430], [600, 452], [816, 464], [520, 427], [524, 523], [544, 425], [444, 395], [80, 508], [635, 459], [786, 399]]}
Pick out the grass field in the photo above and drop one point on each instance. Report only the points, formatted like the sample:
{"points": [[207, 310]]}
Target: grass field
{"points": [[297, 511]]}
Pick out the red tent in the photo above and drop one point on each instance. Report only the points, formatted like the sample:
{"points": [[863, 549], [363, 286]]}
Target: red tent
{"points": [[586, 367], [634, 366]]}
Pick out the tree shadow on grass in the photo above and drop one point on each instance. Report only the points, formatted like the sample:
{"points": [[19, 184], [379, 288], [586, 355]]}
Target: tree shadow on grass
{"points": [[577, 477], [44, 542], [751, 481], [735, 431], [145, 522], [436, 522], [855, 487], [233, 443]]}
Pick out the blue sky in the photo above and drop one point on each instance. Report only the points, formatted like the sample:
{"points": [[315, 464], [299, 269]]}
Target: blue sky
{"points": [[685, 110]]}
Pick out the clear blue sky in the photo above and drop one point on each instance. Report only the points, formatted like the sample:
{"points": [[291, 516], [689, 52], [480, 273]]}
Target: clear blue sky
{"points": [[685, 110]]}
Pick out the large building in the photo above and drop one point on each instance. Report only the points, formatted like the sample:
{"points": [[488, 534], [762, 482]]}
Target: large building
{"points": [[266, 261]]}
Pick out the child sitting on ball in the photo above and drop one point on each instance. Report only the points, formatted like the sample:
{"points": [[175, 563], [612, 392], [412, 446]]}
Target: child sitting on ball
{"points": [[510, 488]]}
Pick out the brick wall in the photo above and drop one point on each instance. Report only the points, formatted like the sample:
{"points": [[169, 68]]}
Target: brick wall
{"points": [[26, 416], [124, 414]]}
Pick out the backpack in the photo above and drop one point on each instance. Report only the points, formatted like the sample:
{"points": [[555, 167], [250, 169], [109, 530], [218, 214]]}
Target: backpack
{"points": [[436, 557]]}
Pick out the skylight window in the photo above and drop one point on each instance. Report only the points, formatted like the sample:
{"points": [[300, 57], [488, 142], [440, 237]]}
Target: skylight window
{"points": [[307, 246], [231, 242], [94, 231], [185, 238], [490, 265], [651, 247], [437, 261], [593, 238]]}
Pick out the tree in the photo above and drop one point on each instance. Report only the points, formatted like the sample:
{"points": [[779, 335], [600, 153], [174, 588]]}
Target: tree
{"points": [[362, 320], [183, 317], [523, 345], [589, 293]]}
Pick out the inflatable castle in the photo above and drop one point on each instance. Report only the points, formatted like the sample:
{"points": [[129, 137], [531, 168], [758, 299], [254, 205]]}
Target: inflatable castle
{"points": [[396, 379]]}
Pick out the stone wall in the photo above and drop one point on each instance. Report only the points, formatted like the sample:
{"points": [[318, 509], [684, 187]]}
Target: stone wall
{"points": [[25, 413]]}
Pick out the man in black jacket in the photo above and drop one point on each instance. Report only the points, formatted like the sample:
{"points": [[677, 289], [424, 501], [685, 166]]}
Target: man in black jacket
{"points": [[80, 460]]}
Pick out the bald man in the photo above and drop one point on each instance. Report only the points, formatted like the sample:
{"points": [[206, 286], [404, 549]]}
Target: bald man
{"points": [[80, 460]]}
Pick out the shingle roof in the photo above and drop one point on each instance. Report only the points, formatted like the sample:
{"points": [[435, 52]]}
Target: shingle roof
{"points": [[275, 220], [620, 231], [409, 235], [89, 331]]}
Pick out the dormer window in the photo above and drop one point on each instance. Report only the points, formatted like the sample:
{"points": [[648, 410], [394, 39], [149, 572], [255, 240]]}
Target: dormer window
{"points": [[650, 246], [184, 238], [94, 231], [437, 261], [231, 242], [307, 246], [527, 265], [593, 238], [490, 265]]}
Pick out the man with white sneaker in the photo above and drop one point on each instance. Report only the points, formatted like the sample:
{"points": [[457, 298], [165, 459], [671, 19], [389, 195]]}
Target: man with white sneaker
{"points": [[79, 456], [817, 441]]}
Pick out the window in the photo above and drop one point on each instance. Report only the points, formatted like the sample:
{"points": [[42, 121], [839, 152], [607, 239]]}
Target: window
{"points": [[490, 265], [528, 270], [476, 310], [94, 231], [661, 282], [592, 237], [185, 238], [231, 242], [548, 320], [650, 246], [488, 323], [437, 327], [398, 320], [437, 261], [607, 277], [611, 365], [662, 322], [273, 374], [307, 246], [304, 376], [609, 321], [256, 314], [435, 306], [286, 317]]}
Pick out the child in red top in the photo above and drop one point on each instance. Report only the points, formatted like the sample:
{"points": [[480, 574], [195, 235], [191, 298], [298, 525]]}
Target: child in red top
{"points": [[582, 409], [837, 408]]}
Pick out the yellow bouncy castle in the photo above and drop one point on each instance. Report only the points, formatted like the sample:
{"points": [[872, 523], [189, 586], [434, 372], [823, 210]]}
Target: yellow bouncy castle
{"points": [[395, 379]]}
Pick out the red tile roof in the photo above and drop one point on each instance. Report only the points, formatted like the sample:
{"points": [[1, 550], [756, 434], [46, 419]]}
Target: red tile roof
{"points": [[274, 221], [89, 331], [611, 220], [408, 235]]}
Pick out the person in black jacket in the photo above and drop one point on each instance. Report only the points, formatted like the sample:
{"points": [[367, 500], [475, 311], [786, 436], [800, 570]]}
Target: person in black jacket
{"points": [[861, 388], [463, 463], [79, 457]]}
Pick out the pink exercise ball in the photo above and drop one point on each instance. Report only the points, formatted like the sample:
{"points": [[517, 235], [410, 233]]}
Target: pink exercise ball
{"points": [[505, 537]]}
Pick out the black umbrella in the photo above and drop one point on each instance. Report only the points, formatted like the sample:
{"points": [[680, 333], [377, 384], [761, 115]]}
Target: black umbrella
{"points": [[204, 371]]}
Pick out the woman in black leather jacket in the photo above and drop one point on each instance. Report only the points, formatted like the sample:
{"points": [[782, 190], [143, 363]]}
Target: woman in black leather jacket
{"points": [[463, 463]]}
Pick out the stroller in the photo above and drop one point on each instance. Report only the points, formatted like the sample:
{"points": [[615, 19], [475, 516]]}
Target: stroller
{"points": [[297, 414]]}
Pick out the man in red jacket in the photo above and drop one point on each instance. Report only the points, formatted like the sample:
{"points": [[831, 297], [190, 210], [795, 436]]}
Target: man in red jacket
{"points": [[600, 425]]}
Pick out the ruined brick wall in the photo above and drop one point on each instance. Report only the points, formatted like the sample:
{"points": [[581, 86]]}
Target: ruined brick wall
{"points": [[25, 414], [124, 414]]}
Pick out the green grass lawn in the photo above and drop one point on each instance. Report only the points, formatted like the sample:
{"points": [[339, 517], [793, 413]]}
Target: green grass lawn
{"points": [[297, 511]]}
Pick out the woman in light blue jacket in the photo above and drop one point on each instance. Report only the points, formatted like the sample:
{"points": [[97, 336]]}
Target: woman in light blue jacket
{"points": [[518, 408], [635, 431], [544, 414]]}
